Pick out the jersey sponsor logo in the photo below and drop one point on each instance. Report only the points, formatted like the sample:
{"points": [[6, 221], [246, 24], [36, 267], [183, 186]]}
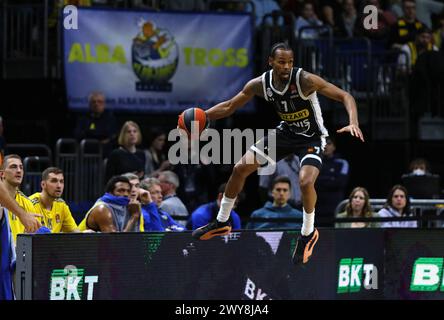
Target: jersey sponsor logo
{"points": [[57, 218], [301, 127], [269, 92], [295, 116]]}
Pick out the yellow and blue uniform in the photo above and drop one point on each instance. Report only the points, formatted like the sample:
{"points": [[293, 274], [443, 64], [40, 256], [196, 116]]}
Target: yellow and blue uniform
{"points": [[16, 225], [58, 219]]}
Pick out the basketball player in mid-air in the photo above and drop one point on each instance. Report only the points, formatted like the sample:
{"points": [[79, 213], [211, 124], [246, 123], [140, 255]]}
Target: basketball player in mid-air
{"points": [[292, 92]]}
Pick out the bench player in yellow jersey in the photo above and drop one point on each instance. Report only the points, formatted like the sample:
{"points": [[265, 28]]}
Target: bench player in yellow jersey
{"points": [[293, 94], [56, 214], [11, 173]]}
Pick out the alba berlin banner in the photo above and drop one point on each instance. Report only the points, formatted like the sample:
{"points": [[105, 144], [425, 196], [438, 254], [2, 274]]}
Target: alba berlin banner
{"points": [[157, 61]]}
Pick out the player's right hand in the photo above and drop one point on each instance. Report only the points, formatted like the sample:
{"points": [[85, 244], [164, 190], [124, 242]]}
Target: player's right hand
{"points": [[31, 222]]}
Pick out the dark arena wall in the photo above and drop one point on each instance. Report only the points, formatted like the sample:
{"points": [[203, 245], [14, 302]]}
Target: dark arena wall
{"points": [[247, 265]]}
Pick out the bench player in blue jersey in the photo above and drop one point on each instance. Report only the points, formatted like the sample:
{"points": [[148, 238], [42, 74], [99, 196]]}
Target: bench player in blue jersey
{"points": [[293, 93]]}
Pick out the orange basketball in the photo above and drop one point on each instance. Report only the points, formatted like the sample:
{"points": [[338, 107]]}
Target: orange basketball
{"points": [[190, 117]]}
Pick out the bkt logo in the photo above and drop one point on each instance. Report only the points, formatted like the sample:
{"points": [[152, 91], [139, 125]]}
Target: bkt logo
{"points": [[67, 284], [427, 275], [351, 275]]}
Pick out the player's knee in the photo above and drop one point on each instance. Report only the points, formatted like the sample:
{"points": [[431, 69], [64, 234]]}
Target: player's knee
{"points": [[306, 183]]}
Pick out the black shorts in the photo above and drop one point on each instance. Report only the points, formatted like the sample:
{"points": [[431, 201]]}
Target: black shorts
{"points": [[309, 150]]}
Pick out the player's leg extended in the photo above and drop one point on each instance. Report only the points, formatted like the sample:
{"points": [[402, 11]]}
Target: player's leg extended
{"points": [[307, 179], [243, 168], [309, 234]]}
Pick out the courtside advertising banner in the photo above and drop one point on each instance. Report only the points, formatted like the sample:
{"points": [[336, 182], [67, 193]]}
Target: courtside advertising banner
{"points": [[157, 61]]}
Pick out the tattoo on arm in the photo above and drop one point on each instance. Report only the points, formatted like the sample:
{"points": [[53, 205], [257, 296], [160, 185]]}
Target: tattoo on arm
{"points": [[307, 85], [256, 87]]}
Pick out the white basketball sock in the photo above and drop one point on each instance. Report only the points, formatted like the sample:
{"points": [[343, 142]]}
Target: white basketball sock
{"points": [[307, 223], [225, 209]]}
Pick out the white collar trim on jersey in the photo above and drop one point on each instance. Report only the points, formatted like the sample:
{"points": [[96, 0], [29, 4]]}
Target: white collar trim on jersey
{"points": [[286, 87]]}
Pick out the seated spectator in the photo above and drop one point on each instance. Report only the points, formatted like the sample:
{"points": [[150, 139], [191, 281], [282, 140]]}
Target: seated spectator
{"points": [[171, 203], [2, 142], [308, 18], [12, 173], [412, 50], [331, 183], [290, 168], [358, 206], [56, 214], [114, 211], [279, 208], [418, 167], [331, 11], [420, 182], [98, 123], [156, 219], [156, 158], [208, 212], [397, 205], [406, 28], [347, 20], [127, 158]]}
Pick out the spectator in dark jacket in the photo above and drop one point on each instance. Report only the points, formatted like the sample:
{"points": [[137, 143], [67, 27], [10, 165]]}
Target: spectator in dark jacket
{"points": [[279, 208], [98, 123], [127, 158], [406, 27]]}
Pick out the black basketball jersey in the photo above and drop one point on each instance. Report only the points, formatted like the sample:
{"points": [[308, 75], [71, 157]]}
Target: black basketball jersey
{"points": [[300, 115]]}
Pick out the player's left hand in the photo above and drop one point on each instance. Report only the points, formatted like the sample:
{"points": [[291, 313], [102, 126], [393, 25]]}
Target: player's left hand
{"points": [[354, 131]]}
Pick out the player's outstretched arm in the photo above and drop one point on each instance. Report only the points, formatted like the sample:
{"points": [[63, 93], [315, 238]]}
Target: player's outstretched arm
{"points": [[310, 83], [228, 107], [30, 221]]}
